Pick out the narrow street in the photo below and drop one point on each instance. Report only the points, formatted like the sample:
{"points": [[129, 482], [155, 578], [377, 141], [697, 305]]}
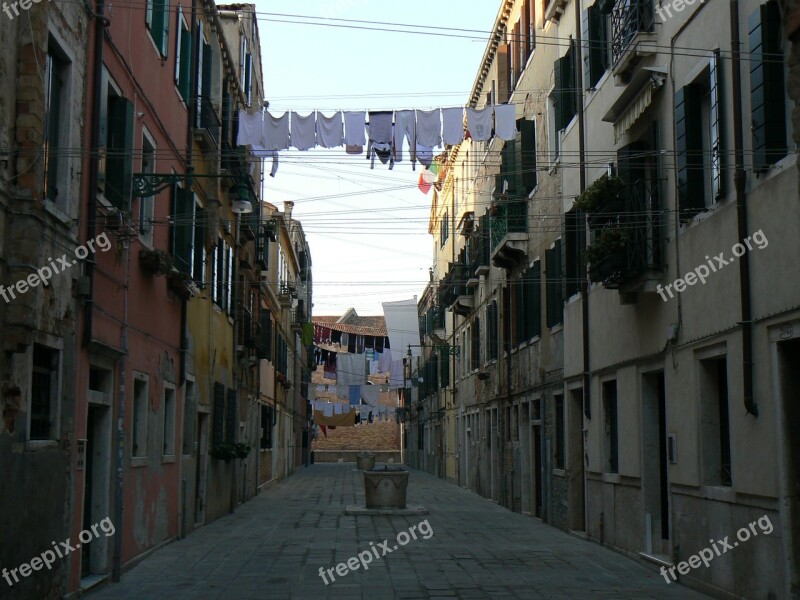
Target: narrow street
{"points": [[273, 547]]}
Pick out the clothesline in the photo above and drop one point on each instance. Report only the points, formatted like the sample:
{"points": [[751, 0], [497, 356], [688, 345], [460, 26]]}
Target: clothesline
{"points": [[383, 133]]}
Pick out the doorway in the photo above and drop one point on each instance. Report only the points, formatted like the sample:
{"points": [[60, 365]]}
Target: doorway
{"points": [[655, 478], [789, 385], [536, 459], [97, 489], [201, 469], [576, 460]]}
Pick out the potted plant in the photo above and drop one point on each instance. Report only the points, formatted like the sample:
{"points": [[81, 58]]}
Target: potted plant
{"points": [[180, 283], [225, 451], [607, 253], [604, 195], [241, 450], [155, 262]]}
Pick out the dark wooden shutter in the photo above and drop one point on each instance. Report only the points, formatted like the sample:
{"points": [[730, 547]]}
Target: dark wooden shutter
{"points": [[183, 229], [218, 431], [528, 151], [555, 305], [519, 311], [184, 77], [689, 150], [231, 418], [574, 241], [767, 87], [503, 73], [265, 340], [535, 273], [119, 163], [566, 94], [595, 53], [200, 226]]}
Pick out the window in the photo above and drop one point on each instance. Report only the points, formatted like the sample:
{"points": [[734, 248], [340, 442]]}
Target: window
{"points": [[574, 242], [265, 441], [139, 419], [242, 59], [533, 300], [493, 330], [119, 154], [610, 438], [183, 57], [527, 129], [248, 77], [169, 421], [444, 228], [218, 424], [553, 133], [182, 228], [565, 94], [715, 432], [476, 344], [555, 300], [157, 19], [56, 103], [597, 46], [220, 276], [699, 144], [199, 255], [146, 204], [528, 27], [560, 433], [767, 87], [189, 412], [44, 394], [229, 280], [265, 335]]}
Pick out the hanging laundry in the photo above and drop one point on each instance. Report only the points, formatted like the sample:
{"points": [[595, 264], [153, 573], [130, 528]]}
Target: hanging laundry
{"points": [[429, 128], [308, 334], [354, 395], [405, 129], [425, 155], [369, 341], [479, 123], [329, 371], [505, 126], [354, 149], [337, 409], [259, 152], [304, 131], [340, 420], [351, 369], [370, 394], [396, 379], [385, 361], [276, 132], [423, 185], [452, 126], [336, 337], [251, 130], [379, 344], [359, 344], [330, 130], [354, 124], [345, 340], [328, 410], [380, 127]]}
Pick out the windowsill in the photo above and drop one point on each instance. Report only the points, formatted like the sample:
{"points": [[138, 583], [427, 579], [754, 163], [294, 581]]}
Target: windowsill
{"points": [[40, 445], [52, 208], [180, 97], [554, 166], [783, 165], [138, 462], [152, 41], [148, 244], [168, 458], [611, 478], [559, 472], [556, 328]]}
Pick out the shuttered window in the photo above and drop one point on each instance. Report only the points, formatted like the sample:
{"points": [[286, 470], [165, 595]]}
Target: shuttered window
{"points": [[157, 20], [566, 93], [716, 125], [182, 229], [119, 159], [199, 250], [574, 243], [555, 301], [476, 344], [689, 150], [218, 430], [596, 45], [519, 311], [767, 87], [183, 57], [527, 131], [231, 419], [493, 330], [533, 299]]}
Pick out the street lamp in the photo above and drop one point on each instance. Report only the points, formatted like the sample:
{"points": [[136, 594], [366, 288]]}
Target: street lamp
{"points": [[242, 204]]}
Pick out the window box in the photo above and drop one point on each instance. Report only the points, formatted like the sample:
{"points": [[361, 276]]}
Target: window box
{"points": [[155, 262]]}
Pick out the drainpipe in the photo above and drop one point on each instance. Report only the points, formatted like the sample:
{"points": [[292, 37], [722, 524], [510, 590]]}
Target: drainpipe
{"points": [[584, 283], [740, 179]]}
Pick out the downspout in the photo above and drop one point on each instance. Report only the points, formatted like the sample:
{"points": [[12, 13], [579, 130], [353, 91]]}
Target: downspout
{"points": [[740, 179], [584, 283], [94, 164]]}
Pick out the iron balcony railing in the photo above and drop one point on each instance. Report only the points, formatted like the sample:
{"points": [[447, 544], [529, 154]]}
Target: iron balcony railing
{"points": [[208, 119], [628, 18], [509, 217]]}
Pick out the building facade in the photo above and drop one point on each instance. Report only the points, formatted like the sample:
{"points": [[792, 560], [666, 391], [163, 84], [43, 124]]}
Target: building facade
{"points": [[623, 342]]}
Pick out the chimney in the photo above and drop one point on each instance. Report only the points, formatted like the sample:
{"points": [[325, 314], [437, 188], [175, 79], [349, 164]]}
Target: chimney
{"points": [[287, 209]]}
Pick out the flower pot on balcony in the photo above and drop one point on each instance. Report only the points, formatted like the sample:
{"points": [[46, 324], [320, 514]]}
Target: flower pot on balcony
{"points": [[606, 267], [365, 461], [386, 488], [155, 262]]}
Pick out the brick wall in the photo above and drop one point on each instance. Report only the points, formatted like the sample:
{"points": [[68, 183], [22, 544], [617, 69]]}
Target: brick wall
{"points": [[382, 435]]}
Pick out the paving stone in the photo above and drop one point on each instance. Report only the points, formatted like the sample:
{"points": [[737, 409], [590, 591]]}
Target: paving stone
{"points": [[273, 547]]}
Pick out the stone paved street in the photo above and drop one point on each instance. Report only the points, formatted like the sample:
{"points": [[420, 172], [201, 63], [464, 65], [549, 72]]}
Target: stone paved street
{"points": [[273, 546]]}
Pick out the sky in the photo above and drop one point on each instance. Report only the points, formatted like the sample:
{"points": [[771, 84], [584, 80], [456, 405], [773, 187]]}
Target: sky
{"points": [[367, 229]]}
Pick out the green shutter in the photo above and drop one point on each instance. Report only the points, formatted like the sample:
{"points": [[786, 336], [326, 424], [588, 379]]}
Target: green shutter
{"points": [[595, 53], [185, 62], [767, 87], [536, 298], [689, 151], [555, 304], [218, 431], [199, 245], [231, 418], [183, 229], [119, 164], [159, 25], [558, 67], [206, 87], [519, 311], [574, 240], [528, 151], [566, 94], [444, 369]]}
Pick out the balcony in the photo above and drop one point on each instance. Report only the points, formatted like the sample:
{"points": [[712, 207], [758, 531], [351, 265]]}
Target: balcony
{"points": [[478, 253], [508, 233], [627, 244], [453, 285], [632, 35], [209, 125]]}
